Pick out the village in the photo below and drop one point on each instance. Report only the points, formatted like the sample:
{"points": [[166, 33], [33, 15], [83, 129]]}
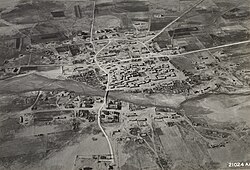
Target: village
{"points": [[124, 85]]}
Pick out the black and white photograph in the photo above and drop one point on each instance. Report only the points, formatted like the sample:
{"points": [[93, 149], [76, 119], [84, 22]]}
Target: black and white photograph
{"points": [[124, 84]]}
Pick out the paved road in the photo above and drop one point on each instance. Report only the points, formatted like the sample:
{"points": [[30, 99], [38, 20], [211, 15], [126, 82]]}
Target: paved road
{"points": [[156, 55], [191, 52], [207, 49]]}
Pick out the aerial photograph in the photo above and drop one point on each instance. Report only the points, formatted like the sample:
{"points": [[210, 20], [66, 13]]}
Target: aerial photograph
{"points": [[124, 84]]}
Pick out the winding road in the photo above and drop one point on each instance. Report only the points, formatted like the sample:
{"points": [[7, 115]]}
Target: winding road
{"points": [[106, 91]]}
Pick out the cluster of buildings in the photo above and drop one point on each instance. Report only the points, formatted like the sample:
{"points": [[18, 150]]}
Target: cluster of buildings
{"points": [[88, 76], [168, 116], [107, 33], [86, 114], [69, 107], [122, 50], [144, 74], [66, 99], [111, 114]]}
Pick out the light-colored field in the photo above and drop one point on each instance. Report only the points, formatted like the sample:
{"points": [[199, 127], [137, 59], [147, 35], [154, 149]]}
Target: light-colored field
{"points": [[238, 151], [184, 150], [224, 108], [64, 159], [174, 145], [7, 101], [31, 130], [21, 146], [107, 21], [52, 73]]}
